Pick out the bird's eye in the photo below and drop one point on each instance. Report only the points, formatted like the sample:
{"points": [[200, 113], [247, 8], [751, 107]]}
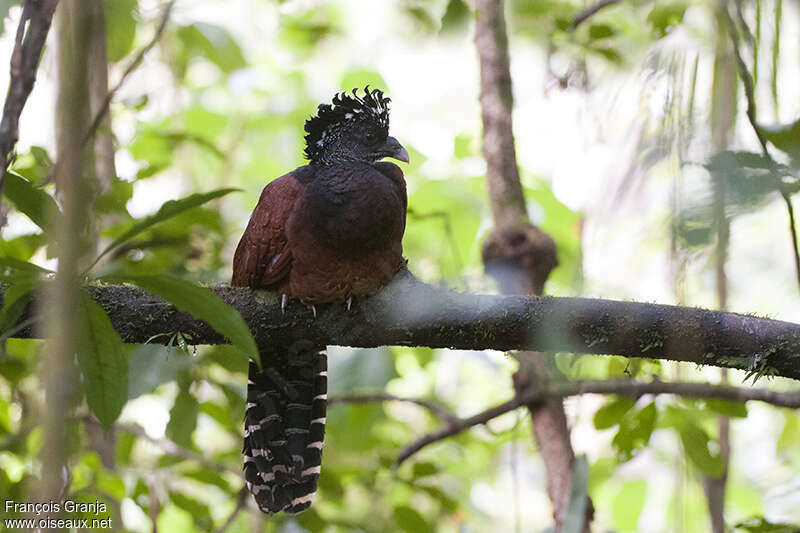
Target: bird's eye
{"points": [[369, 136]]}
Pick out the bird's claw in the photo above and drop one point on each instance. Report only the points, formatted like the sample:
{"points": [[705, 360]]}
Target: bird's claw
{"points": [[284, 298], [349, 302], [313, 310]]}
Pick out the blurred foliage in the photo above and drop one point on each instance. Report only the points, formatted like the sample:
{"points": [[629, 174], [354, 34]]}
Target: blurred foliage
{"points": [[229, 113]]}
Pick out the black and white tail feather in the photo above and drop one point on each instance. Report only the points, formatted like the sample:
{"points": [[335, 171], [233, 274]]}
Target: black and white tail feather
{"points": [[284, 429]]}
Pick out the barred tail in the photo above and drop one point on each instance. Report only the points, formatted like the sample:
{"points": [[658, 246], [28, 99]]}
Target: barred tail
{"points": [[284, 430]]}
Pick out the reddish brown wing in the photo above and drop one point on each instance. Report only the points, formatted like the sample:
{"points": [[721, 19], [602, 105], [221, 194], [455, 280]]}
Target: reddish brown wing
{"points": [[394, 173], [263, 257]]}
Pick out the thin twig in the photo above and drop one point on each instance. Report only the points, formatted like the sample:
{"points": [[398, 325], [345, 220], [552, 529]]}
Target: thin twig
{"points": [[24, 63], [98, 118], [747, 82], [155, 504], [448, 417], [590, 12], [619, 387], [241, 501], [448, 229], [104, 106]]}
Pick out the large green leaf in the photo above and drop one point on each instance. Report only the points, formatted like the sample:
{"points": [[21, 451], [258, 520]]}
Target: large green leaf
{"points": [[168, 210], [22, 247], [36, 204], [11, 268], [202, 304], [153, 364], [103, 362]]}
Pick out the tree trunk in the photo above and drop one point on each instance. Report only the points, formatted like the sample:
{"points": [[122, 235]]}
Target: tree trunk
{"points": [[519, 255]]}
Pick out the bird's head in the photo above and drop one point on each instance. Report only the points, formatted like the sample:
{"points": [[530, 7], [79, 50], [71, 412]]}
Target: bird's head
{"points": [[354, 128]]}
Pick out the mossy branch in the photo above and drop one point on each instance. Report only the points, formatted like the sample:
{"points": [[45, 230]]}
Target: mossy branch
{"points": [[411, 313]]}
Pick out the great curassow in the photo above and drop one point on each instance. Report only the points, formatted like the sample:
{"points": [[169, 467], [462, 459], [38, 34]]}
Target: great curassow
{"points": [[328, 231]]}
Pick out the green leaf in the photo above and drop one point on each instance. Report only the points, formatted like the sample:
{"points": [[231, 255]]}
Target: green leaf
{"points": [[600, 31], [124, 446], [170, 209], [576, 511], [785, 137], [15, 298], [151, 365], [110, 484], [666, 15], [424, 469], [628, 505], [36, 204], [13, 270], [789, 439], [208, 476], [634, 431], [183, 418], [212, 42], [221, 414], [728, 408], [121, 27], [103, 362], [695, 443], [312, 521], [22, 247], [198, 510], [35, 166], [365, 369], [610, 54], [759, 524], [456, 17], [612, 412], [202, 304], [408, 519]]}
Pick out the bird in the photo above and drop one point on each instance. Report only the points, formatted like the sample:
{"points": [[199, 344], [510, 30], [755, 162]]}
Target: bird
{"points": [[328, 231]]}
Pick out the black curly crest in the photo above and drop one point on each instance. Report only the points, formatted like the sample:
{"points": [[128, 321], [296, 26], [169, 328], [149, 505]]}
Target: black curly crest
{"points": [[372, 107]]}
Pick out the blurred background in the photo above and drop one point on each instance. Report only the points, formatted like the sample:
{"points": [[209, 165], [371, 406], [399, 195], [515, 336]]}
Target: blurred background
{"points": [[620, 130]]}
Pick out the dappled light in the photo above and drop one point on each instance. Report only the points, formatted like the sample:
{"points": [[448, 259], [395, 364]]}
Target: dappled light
{"points": [[512, 266]]}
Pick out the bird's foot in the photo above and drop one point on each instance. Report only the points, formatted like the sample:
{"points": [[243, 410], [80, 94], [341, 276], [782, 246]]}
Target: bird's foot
{"points": [[349, 302], [284, 299]]}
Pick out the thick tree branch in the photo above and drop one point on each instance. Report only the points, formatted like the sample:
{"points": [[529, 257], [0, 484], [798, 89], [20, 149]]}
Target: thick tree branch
{"points": [[635, 389], [410, 313]]}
